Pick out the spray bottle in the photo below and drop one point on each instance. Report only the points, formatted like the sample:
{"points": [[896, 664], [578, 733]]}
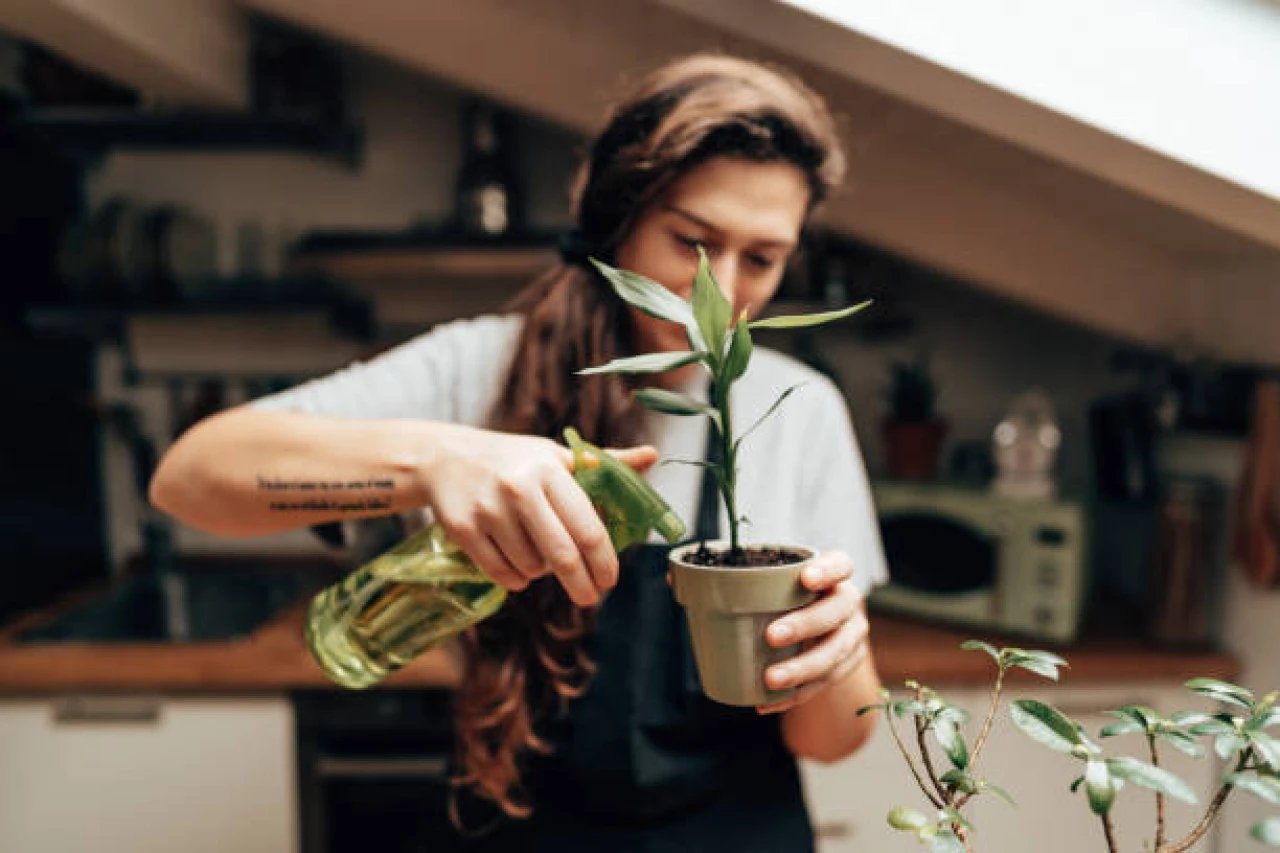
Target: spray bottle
{"points": [[426, 590]]}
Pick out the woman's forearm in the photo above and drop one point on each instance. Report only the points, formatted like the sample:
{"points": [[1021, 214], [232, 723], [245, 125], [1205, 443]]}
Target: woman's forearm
{"points": [[827, 727], [249, 473]]}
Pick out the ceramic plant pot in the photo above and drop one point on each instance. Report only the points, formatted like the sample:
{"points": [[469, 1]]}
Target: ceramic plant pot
{"points": [[728, 608]]}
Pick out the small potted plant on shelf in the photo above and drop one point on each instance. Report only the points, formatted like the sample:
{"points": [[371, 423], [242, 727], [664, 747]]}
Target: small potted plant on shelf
{"points": [[913, 432], [730, 590], [1237, 730]]}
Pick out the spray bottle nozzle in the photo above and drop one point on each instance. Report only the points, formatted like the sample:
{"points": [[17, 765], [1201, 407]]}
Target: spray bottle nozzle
{"points": [[628, 505]]}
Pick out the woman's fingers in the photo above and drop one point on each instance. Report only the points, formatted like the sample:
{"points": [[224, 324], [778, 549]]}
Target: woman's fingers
{"points": [[480, 548], [823, 657], [594, 566], [817, 619], [827, 570]]}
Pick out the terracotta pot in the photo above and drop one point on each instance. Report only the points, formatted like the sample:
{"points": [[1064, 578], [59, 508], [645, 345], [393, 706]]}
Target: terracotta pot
{"points": [[728, 609], [911, 448]]}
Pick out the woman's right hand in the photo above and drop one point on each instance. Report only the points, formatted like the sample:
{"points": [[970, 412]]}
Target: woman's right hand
{"points": [[510, 502]]}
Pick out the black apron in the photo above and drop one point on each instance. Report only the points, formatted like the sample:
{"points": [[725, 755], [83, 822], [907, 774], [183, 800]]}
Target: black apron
{"points": [[643, 761]]}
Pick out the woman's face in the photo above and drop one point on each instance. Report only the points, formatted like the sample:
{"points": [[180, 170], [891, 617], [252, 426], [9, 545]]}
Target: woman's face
{"points": [[745, 215]]}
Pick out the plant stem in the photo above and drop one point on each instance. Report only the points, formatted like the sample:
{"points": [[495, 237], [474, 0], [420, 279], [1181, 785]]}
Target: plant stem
{"points": [[985, 732], [911, 765], [728, 480], [1211, 813], [928, 760], [1109, 829], [1155, 762]]}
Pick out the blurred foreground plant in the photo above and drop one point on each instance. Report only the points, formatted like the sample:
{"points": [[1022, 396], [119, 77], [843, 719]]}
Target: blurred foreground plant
{"points": [[1238, 734]]}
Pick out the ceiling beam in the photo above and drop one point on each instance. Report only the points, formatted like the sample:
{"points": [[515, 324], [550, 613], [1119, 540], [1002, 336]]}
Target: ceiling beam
{"points": [[175, 52]]}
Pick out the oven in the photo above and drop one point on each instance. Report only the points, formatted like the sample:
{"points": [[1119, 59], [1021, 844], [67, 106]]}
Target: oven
{"points": [[373, 771]]}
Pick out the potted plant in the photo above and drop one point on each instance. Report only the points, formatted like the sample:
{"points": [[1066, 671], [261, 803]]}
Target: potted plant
{"points": [[913, 433], [730, 591], [1238, 732]]}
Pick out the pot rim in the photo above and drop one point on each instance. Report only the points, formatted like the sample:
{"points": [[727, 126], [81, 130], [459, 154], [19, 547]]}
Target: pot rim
{"points": [[677, 554]]}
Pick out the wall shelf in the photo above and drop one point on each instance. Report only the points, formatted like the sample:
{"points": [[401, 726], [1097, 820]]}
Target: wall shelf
{"points": [[94, 131]]}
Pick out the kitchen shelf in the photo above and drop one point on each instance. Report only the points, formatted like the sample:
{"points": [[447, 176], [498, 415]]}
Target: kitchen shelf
{"points": [[352, 255], [98, 130], [349, 314]]}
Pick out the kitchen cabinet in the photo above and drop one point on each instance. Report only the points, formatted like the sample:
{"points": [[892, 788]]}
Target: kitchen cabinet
{"points": [[849, 800], [143, 774]]}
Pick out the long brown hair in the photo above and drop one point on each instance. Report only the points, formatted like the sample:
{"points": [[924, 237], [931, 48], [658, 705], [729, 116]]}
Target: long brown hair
{"points": [[529, 659]]}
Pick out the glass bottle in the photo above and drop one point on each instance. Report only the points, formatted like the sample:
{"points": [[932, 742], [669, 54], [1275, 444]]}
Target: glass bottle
{"points": [[489, 201]]}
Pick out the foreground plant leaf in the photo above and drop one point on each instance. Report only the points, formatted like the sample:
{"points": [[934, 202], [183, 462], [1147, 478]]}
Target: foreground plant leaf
{"points": [[1148, 776], [1222, 691], [654, 362], [1261, 786], [653, 299], [1267, 831], [797, 321], [1045, 724]]}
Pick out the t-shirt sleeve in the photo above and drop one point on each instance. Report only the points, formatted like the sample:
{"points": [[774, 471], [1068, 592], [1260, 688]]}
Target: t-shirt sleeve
{"points": [[451, 373], [836, 492]]}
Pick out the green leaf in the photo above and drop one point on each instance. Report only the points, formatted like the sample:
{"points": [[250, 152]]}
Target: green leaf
{"points": [[1212, 726], [1267, 831], [1261, 786], [1041, 663], [671, 403], [1124, 727], [946, 842], [998, 791], [796, 321], [1268, 749], [1045, 724], [654, 362], [711, 309], [979, 646], [1148, 776], [1227, 746], [1264, 721], [1099, 786], [1189, 718], [951, 741], [1142, 715], [740, 348], [905, 818], [1183, 742], [1075, 786], [958, 779], [652, 298], [776, 403], [1222, 691]]}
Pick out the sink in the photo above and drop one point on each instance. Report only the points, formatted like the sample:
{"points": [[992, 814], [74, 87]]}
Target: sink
{"points": [[179, 606]]}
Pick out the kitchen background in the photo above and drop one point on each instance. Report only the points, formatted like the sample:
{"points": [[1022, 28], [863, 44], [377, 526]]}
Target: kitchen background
{"points": [[317, 223]]}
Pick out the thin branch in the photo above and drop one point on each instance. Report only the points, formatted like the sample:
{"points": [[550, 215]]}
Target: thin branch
{"points": [[928, 762], [982, 735], [1211, 813], [906, 756], [1109, 829], [1155, 762]]}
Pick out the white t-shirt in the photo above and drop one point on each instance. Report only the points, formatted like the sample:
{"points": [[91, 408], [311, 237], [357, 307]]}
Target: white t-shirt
{"points": [[801, 479]]}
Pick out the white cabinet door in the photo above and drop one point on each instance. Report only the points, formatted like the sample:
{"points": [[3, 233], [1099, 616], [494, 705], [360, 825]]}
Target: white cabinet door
{"points": [[147, 775], [849, 801]]}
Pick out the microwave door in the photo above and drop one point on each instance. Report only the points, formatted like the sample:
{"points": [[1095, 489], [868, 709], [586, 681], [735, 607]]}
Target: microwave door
{"points": [[937, 556]]}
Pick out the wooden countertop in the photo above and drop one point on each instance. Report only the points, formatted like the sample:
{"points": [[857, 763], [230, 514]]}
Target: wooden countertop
{"points": [[274, 658]]}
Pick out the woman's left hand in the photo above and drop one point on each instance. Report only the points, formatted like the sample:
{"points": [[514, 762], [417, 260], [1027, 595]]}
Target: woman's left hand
{"points": [[832, 630]]}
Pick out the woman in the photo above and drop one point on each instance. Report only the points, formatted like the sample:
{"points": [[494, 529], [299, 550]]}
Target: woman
{"points": [[579, 715]]}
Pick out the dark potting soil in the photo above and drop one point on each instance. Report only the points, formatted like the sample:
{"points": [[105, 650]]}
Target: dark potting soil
{"points": [[750, 557]]}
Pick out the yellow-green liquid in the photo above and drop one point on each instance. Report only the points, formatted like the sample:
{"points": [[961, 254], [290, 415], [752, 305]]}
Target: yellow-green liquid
{"points": [[397, 606]]}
